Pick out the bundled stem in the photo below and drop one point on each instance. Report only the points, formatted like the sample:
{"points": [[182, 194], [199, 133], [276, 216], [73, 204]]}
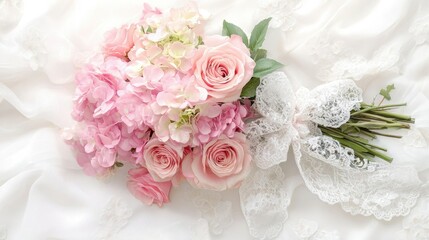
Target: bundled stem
{"points": [[365, 125]]}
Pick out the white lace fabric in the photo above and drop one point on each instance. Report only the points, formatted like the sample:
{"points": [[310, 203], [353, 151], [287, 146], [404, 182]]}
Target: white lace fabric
{"points": [[264, 201], [329, 170]]}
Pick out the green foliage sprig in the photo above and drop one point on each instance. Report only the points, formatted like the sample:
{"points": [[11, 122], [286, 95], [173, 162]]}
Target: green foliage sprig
{"points": [[264, 65]]}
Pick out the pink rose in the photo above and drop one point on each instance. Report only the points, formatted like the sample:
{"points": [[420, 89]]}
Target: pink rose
{"points": [[162, 160], [223, 66], [119, 41], [221, 164], [144, 188]]}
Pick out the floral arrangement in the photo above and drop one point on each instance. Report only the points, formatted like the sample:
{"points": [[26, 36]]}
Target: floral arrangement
{"points": [[171, 102]]}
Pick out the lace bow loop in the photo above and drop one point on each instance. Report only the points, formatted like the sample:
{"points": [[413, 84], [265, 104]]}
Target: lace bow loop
{"points": [[329, 170], [270, 135], [330, 104]]}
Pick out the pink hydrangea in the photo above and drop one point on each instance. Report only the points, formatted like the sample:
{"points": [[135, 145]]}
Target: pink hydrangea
{"points": [[131, 108], [91, 155], [227, 122], [180, 91], [131, 147], [97, 87]]}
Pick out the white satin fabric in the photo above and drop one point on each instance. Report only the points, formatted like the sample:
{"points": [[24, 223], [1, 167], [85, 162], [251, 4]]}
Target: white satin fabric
{"points": [[45, 195]]}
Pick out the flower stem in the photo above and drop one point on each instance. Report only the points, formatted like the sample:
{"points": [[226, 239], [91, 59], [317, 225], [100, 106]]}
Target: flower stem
{"points": [[361, 125]]}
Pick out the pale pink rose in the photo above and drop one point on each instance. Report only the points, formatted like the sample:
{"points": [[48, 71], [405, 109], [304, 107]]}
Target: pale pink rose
{"points": [[223, 66], [162, 160], [227, 122], [219, 165], [143, 187], [119, 41]]}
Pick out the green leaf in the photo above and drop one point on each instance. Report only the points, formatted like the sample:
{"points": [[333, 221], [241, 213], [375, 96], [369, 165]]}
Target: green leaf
{"points": [[259, 54], [265, 66], [230, 29], [258, 34], [200, 40], [249, 90], [119, 164], [386, 91], [149, 30]]}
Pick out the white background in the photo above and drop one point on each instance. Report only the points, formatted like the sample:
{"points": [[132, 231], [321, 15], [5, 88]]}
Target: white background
{"points": [[45, 195]]}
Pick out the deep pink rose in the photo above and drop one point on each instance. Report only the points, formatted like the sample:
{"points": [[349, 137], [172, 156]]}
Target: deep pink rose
{"points": [[144, 188], [119, 41], [162, 160], [223, 66], [221, 164]]}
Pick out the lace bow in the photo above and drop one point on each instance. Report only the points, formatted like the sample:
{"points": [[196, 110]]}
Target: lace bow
{"points": [[328, 169]]}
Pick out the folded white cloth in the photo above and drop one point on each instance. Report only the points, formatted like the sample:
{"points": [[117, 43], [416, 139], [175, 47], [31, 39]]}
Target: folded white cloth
{"points": [[45, 195]]}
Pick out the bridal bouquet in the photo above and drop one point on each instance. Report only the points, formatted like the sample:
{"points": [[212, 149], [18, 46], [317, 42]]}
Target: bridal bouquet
{"points": [[170, 101], [175, 104]]}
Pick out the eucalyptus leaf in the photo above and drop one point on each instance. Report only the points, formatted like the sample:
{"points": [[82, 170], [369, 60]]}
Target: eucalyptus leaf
{"points": [[230, 29], [258, 34], [265, 66]]}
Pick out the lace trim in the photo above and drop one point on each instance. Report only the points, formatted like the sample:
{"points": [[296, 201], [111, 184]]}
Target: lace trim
{"points": [[337, 62], [114, 217], [309, 230], [385, 192], [200, 230], [10, 13], [416, 224], [282, 12], [264, 200], [329, 170], [420, 30], [329, 104], [414, 138], [217, 212], [270, 136], [32, 47]]}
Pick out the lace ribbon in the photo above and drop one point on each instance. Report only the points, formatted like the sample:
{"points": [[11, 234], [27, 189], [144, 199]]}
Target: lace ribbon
{"points": [[328, 169]]}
